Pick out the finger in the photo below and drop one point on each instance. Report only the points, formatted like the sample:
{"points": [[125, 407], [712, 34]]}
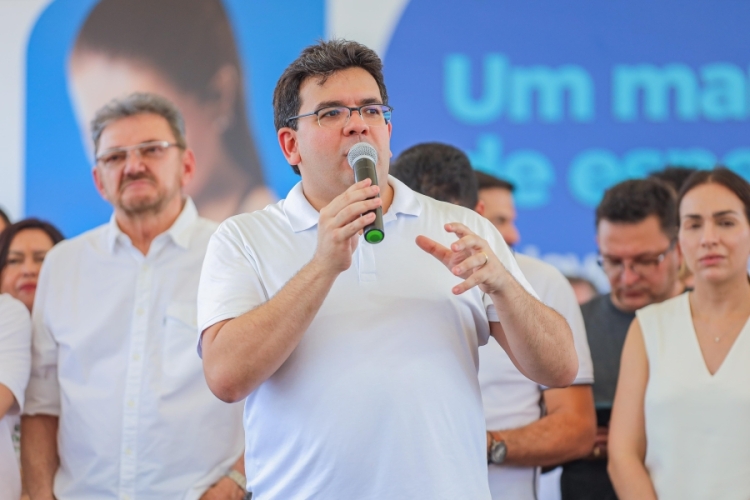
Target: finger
{"points": [[458, 228], [474, 261], [351, 212], [354, 227], [473, 280], [470, 242], [435, 249], [356, 192]]}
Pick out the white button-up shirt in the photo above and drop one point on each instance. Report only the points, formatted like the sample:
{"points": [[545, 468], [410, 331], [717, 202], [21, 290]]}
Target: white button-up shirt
{"points": [[380, 399], [114, 358], [15, 363]]}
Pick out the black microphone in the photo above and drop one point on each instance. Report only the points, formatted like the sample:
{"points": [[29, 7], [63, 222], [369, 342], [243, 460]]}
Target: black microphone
{"points": [[362, 158]]}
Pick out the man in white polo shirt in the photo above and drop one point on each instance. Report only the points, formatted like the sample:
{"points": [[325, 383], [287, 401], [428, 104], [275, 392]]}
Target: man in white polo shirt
{"points": [[117, 405], [359, 360], [523, 436]]}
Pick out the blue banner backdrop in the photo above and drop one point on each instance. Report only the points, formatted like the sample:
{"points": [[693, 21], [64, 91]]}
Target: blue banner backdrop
{"points": [[568, 98]]}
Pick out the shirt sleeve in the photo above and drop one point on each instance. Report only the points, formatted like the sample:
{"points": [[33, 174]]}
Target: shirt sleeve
{"points": [[230, 283], [497, 243], [43, 392], [15, 349]]}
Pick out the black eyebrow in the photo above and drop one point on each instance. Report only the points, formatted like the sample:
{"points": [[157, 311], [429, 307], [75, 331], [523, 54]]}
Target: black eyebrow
{"points": [[715, 214], [725, 212], [336, 104]]}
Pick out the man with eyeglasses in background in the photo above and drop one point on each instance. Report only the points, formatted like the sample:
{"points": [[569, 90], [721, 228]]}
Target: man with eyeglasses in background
{"points": [[359, 360], [636, 231], [117, 405]]}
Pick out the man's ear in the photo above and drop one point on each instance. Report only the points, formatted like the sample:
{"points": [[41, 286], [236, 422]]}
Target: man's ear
{"points": [[479, 208], [188, 167], [289, 146]]}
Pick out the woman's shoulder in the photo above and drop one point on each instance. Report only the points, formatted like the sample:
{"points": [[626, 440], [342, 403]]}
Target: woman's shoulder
{"points": [[669, 307]]}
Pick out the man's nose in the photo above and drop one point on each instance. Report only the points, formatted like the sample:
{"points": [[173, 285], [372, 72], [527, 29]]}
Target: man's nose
{"points": [[133, 161], [356, 124], [628, 276]]}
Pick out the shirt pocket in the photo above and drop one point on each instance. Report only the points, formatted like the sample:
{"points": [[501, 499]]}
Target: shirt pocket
{"points": [[180, 359]]}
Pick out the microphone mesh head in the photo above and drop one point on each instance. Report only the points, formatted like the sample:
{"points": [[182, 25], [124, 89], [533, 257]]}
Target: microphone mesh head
{"points": [[359, 150]]}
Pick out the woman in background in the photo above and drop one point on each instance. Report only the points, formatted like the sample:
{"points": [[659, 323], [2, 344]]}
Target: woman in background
{"points": [[23, 246], [185, 51], [680, 418]]}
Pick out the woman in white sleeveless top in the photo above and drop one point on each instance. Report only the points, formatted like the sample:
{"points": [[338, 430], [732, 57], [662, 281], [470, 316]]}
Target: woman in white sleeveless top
{"points": [[681, 417]]}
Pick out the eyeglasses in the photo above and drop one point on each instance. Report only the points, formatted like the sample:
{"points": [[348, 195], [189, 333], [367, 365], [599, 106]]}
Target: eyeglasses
{"points": [[641, 266], [152, 150], [338, 116]]}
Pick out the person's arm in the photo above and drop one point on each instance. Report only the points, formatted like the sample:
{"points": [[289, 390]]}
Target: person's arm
{"points": [[39, 459], [537, 339], [226, 488], [7, 400], [627, 429], [565, 433], [241, 353]]}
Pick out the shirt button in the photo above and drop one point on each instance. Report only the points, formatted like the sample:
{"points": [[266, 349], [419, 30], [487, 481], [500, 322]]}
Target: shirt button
{"points": [[131, 403], [139, 311], [125, 497], [136, 357], [128, 451]]}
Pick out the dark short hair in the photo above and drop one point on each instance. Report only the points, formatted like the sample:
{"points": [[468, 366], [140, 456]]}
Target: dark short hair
{"points": [[139, 103], [673, 175], [321, 60], [7, 236], [487, 181], [4, 217], [632, 201], [185, 41], [438, 170], [722, 176]]}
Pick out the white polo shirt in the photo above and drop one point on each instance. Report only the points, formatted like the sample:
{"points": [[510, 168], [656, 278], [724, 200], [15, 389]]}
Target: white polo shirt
{"points": [[15, 364], [380, 399], [510, 399], [114, 357]]}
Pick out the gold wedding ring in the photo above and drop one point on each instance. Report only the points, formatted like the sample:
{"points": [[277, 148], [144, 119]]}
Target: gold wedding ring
{"points": [[486, 259]]}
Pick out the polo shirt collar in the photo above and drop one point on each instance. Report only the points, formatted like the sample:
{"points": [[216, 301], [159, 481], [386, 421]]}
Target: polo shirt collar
{"points": [[180, 231], [302, 216]]}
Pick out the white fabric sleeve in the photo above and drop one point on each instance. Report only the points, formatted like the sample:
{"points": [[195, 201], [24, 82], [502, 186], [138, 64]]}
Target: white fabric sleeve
{"points": [[498, 245], [43, 392], [230, 284], [15, 349]]}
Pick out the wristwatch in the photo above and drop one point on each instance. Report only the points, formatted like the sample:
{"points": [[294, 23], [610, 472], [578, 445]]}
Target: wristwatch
{"points": [[497, 452], [238, 478]]}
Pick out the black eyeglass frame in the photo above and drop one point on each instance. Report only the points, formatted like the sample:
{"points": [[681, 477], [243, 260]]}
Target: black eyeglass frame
{"points": [[358, 109], [658, 259]]}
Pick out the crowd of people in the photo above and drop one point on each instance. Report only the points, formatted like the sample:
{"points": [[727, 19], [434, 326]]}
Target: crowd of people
{"points": [[437, 363]]}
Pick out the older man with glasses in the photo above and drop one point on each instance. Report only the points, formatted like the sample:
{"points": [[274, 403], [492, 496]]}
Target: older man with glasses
{"points": [[117, 405], [636, 230]]}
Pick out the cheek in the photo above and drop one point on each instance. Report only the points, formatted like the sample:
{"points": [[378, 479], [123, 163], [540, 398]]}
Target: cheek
{"points": [[7, 280]]}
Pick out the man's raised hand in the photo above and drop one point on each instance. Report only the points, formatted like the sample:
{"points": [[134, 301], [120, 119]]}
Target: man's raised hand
{"points": [[341, 222], [470, 258]]}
